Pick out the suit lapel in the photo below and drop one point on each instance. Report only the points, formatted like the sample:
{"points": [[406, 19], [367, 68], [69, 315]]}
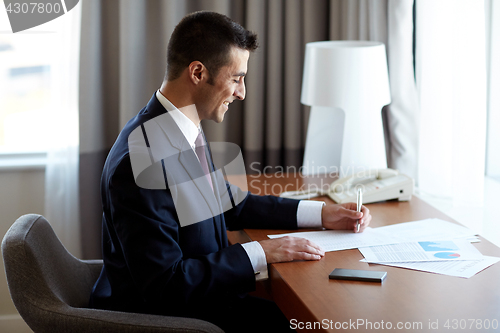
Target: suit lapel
{"points": [[188, 160], [190, 163]]}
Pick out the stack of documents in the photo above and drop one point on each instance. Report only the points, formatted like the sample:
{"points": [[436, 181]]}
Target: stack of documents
{"points": [[430, 245]]}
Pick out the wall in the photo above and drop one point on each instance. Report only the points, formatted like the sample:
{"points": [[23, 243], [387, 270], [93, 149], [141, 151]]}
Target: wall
{"points": [[21, 192]]}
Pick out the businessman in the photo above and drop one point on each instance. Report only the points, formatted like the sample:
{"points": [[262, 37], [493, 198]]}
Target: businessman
{"points": [[161, 255]]}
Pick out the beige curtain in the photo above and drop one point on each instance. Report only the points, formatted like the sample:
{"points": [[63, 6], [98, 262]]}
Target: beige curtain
{"points": [[123, 52]]}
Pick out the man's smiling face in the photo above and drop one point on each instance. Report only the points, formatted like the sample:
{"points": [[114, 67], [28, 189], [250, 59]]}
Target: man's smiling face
{"points": [[214, 99]]}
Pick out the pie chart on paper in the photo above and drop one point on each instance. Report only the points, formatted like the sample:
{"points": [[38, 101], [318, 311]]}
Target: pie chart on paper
{"points": [[447, 255]]}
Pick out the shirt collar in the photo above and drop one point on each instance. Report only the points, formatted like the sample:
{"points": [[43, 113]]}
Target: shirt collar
{"points": [[187, 127]]}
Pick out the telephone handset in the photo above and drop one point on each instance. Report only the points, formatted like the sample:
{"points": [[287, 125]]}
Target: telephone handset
{"points": [[377, 185]]}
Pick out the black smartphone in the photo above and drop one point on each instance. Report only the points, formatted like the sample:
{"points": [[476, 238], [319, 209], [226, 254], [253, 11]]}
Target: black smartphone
{"points": [[357, 275]]}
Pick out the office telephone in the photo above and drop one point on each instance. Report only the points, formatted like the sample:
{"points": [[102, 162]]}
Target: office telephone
{"points": [[377, 185]]}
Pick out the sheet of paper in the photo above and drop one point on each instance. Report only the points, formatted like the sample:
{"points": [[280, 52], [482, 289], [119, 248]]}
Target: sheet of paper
{"points": [[444, 250], [461, 268], [426, 230], [336, 240]]}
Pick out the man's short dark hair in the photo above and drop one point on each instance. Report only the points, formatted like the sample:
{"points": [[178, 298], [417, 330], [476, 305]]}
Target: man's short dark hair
{"points": [[206, 37]]}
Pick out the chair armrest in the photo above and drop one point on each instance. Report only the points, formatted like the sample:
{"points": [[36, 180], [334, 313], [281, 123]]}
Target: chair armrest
{"points": [[95, 267]]}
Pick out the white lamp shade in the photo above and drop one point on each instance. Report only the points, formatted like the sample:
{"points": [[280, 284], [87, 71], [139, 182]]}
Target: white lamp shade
{"points": [[338, 72], [346, 84]]}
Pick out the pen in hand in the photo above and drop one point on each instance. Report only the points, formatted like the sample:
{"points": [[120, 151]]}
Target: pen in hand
{"points": [[359, 203]]}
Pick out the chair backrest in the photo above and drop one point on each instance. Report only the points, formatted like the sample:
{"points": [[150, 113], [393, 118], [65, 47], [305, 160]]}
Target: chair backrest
{"points": [[51, 288], [41, 272]]}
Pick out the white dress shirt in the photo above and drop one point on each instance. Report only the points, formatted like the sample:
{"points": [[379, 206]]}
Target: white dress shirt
{"points": [[308, 212]]}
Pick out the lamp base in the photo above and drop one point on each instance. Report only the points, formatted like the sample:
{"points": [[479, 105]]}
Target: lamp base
{"points": [[325, 133], [344, 145]]}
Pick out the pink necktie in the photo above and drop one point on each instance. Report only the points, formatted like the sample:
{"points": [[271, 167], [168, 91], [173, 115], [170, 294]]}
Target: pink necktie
{"points": [[200, 152]]}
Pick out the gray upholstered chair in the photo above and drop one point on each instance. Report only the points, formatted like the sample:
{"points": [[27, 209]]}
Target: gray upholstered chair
{"points": [[51, 288]]}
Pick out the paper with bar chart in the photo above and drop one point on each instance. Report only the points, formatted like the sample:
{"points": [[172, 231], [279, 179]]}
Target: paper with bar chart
{"points": [[446, 250], [459, 268]]}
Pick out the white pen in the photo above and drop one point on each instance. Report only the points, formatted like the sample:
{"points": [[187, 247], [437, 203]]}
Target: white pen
{"points": [[359, 203]]}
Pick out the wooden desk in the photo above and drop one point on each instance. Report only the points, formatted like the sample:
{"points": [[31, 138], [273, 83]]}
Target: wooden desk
{"points": [[416, 299]]}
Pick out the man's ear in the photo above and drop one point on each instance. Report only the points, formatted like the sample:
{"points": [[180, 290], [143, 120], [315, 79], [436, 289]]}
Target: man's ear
{"points": [[197, 72]]}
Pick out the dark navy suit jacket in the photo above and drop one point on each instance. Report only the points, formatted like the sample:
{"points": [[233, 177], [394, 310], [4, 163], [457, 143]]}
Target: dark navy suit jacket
{"points": [[151, 263]]}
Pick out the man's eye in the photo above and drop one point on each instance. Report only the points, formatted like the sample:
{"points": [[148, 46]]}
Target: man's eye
{"points": [[236, 81]]}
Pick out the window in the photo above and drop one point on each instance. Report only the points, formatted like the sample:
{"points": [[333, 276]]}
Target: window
{"points": [[29, 72], [472, 164]]}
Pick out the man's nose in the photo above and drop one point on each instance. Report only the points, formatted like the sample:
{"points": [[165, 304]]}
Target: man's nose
{"points": [[240, 91]]}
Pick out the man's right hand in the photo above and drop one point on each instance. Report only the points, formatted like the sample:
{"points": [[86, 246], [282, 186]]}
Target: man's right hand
{"points": [[290, 248]]}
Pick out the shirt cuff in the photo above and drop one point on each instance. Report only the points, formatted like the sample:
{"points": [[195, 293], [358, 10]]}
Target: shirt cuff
{"points": [[309, 214], [258, 259]]}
